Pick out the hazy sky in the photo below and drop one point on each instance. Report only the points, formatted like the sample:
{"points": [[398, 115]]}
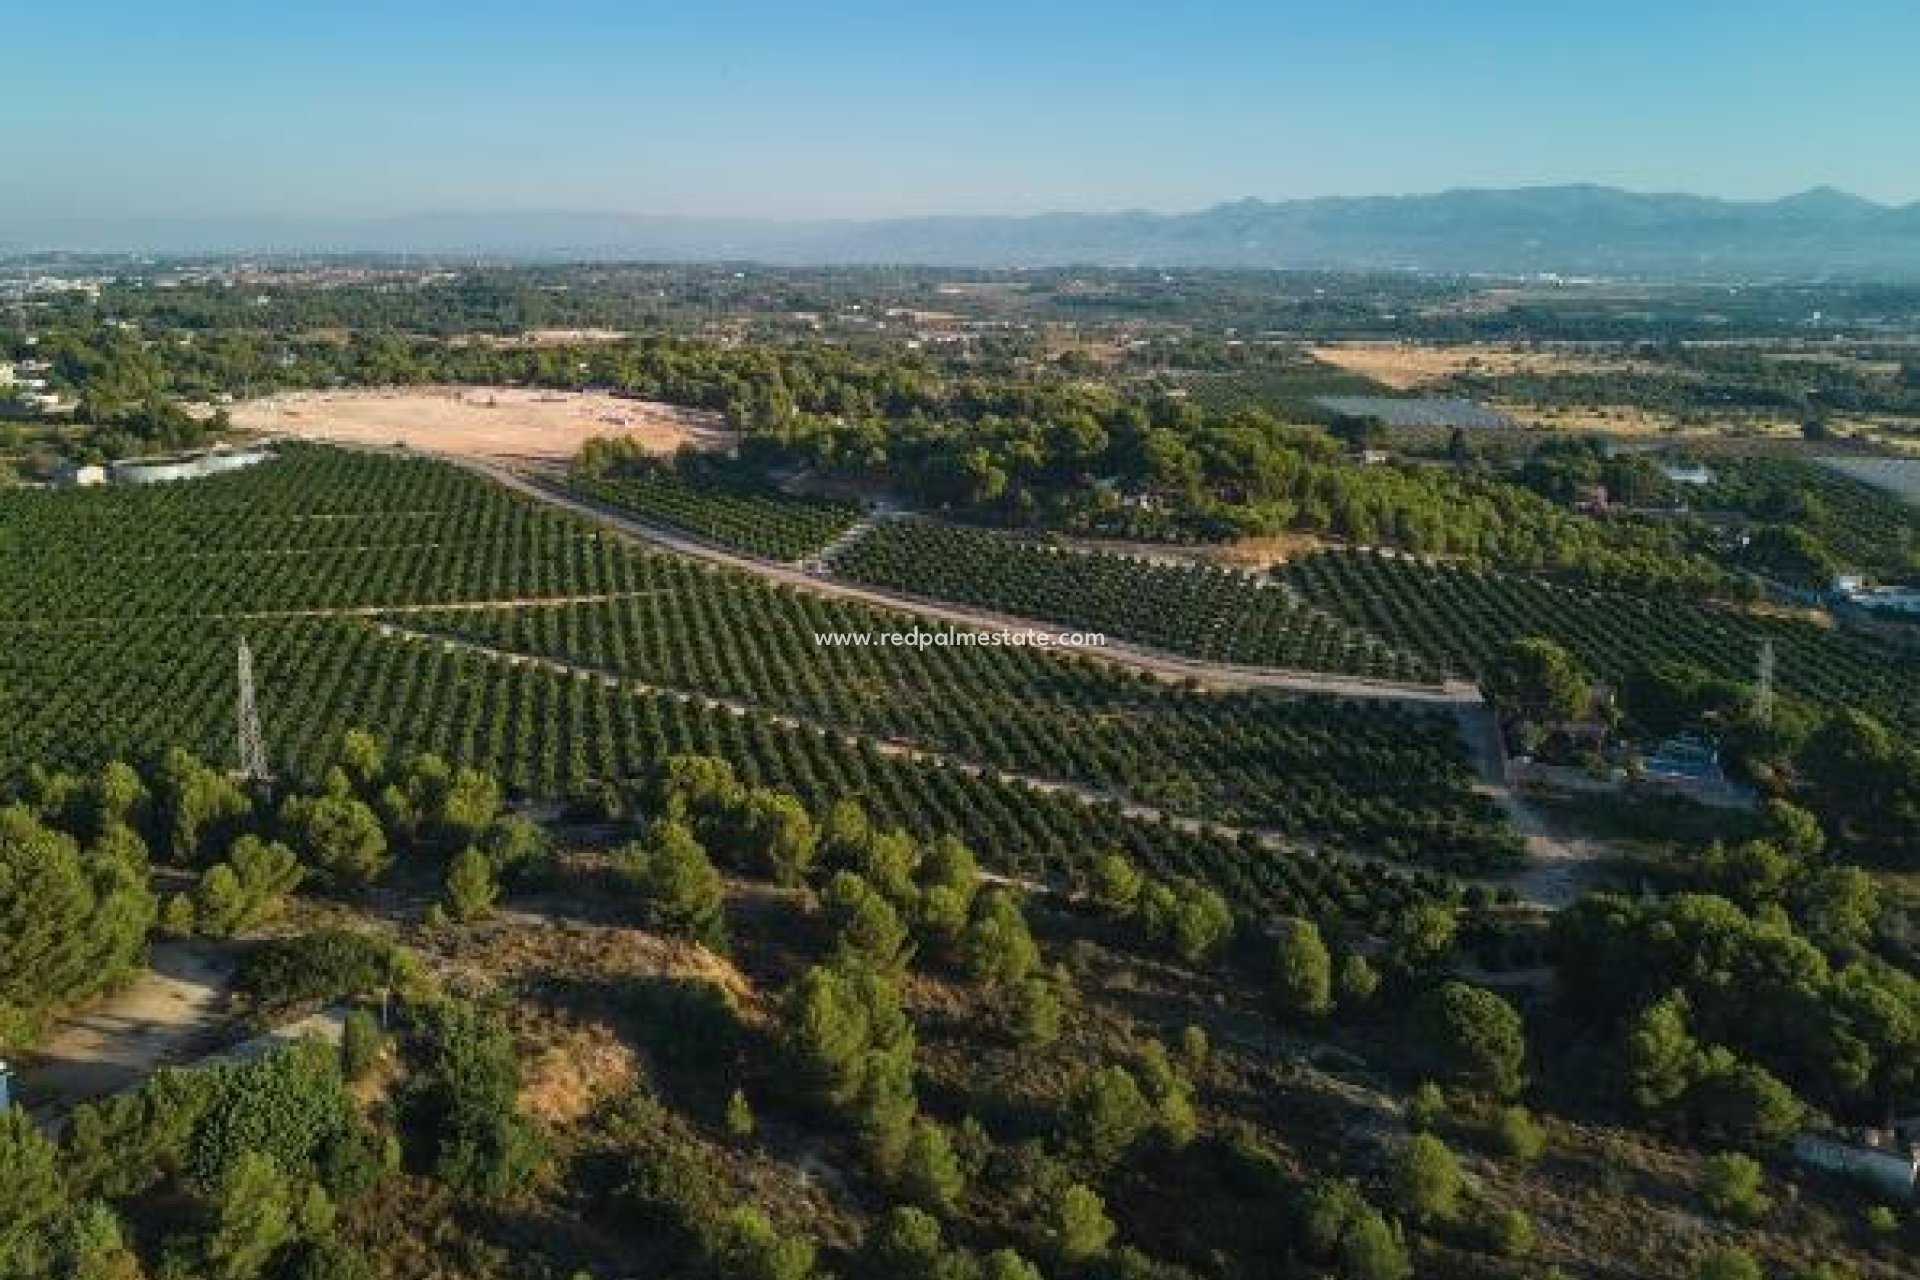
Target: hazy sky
{"points": [[875, 107]]}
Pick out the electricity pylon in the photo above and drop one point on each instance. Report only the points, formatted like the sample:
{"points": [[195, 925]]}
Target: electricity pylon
{"points": [[253, 745]]}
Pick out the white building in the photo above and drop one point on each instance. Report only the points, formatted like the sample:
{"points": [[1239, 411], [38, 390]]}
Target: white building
{"points": [[190, 467], [47, 404], [1693, 473]]}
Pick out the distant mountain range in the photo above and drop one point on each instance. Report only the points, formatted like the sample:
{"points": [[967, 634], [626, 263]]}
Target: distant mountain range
{"points": [[1571, 230]]}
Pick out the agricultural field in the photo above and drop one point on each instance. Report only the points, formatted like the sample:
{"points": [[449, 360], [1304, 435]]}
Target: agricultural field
{"points": [[758, 520], [316, 530], [326, 559], [1377, 778], [1209, 613], [1289, 389], [1417, 412], [1459, 617], [1866, 526]]}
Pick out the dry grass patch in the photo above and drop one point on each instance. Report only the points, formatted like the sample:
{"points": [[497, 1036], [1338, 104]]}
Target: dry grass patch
{"points": [[1410, 366], [516, 948], [576, 1069], [1266, 551]]}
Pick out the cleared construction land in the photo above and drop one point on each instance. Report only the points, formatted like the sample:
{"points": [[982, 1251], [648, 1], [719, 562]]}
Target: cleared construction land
{"points": [[502, 423]]}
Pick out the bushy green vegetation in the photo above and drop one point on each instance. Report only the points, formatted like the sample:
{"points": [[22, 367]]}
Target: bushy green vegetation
{"points": [[252, 1161], [1374, 776], [1855, 525], [313, 969], [73, 917], [315, 529], [1722, 1016]]}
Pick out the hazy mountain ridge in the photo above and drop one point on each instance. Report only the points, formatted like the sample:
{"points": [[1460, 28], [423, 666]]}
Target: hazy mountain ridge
{"points": [[1569, 229]]}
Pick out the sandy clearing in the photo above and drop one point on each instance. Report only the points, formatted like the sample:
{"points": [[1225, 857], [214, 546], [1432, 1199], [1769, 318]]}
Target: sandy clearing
{"points": [[504, 423], [169, 1014]]}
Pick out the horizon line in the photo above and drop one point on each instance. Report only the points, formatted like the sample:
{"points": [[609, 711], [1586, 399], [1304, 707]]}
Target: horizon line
{"points": [[579, 211]]}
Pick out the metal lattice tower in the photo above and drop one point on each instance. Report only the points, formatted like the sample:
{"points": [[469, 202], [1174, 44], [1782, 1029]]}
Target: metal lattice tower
{"points": [[253, 746], [1763, 684]]}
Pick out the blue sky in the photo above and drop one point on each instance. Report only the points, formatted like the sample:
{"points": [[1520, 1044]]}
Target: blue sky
{"points": [[860, 107]]}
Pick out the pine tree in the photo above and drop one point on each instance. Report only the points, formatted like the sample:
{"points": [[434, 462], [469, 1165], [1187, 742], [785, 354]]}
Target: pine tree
{"points": [[683, 892], [32, 1193], [1077, 1223], [1107, 1113], [255, 1217], [739, 1118], [999, 948], [1427, 1181], [471, 891], [361, 1045], [1303, 970], [930, 1173]]}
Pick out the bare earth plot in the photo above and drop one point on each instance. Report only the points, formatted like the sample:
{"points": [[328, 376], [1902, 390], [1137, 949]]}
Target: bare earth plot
{"points": [[500, 423]]}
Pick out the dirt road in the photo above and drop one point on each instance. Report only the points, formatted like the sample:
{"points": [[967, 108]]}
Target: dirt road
{"points": [[1558, 868]]}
